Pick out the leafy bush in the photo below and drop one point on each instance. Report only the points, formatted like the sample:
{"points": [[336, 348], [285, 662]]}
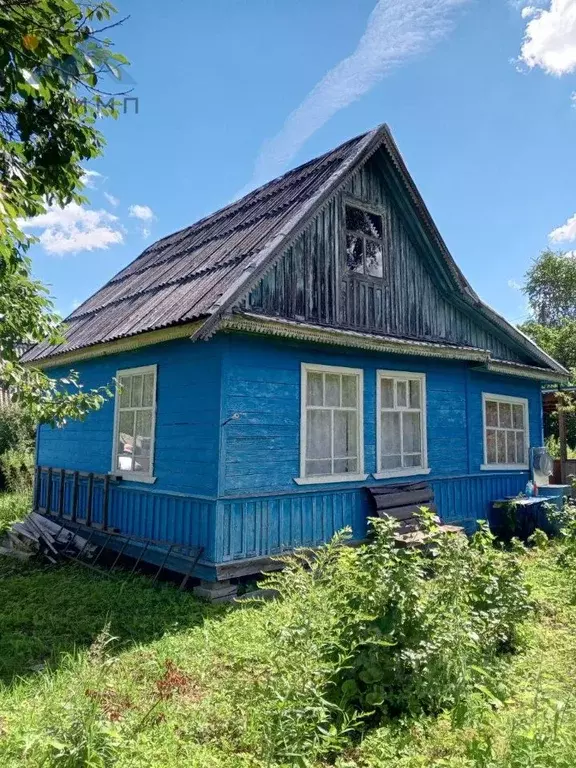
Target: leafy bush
{"points": [[16, 449], [13, 507], [17, 468], [16, 429], [368, 633]]}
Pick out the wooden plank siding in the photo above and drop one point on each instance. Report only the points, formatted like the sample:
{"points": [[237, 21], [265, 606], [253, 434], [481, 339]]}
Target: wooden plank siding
{"points": [[310, 282], [261, 386], [187, 422]]}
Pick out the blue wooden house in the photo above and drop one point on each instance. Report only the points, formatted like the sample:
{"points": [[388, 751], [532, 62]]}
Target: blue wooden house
{"points": [[275, 359]]}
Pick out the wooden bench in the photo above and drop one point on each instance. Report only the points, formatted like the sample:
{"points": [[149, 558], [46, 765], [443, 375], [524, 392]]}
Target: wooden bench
{"points": [[403, 503]]}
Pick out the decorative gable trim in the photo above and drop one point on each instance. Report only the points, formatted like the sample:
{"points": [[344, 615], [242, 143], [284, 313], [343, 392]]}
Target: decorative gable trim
{"points": [[288, 329], [114, 347], [526, 372]]}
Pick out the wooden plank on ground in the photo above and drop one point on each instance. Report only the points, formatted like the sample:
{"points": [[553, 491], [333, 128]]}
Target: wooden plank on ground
{"points": [[404, 499], [405, 513], [383, 490]]}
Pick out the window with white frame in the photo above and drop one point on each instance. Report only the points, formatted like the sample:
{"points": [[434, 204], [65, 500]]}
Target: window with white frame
{"points": [[506, 437], [135, 421], [331, 422], [401, 431]]}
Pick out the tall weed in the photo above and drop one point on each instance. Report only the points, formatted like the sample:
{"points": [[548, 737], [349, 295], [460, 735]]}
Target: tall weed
{"points": [[380, 631]]}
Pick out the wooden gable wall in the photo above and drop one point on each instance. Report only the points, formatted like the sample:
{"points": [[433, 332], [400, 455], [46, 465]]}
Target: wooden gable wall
{"points": [[310, 282]]}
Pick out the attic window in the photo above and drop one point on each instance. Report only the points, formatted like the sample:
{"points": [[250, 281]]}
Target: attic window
{"points": [[364, 243]]}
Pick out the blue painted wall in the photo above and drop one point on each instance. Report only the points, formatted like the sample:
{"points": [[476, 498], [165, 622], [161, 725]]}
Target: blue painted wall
{"points": [[187, 425], [261, 383], [228, 435], [261, 447]]}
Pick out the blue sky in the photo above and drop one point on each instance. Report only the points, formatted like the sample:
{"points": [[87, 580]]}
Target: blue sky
{"points": [[478, 94]]}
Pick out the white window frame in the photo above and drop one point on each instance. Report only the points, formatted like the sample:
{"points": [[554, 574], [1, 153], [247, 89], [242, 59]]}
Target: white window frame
{"points": [[305, 368], [506, 399], [424, 469], [137, 477]]}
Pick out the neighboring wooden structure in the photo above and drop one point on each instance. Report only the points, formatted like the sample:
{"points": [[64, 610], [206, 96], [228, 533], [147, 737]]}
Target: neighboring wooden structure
{"points": [[277, 358], [556, 400]]}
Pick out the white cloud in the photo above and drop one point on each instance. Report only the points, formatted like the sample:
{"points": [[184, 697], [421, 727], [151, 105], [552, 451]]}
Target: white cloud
{"points": [[514, 285], [111, 199], [550, 38], [397, 30], [528, 11], [74, 228], [89, 178], [142, 212], [146, 233], [566, 233]]}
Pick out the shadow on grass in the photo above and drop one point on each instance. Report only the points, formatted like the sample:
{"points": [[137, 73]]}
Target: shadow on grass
{"points": [[48, 611]]}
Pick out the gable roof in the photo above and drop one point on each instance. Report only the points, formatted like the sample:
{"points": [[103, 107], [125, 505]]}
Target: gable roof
{"points": [[202, 271]]}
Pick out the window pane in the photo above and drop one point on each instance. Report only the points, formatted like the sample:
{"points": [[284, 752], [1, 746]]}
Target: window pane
{"points": [[359, 220], [374, 259], [415, 394], [505, 411], [387, 393], [518, 416], [142, 464], [125, 463], [148, 395], [510, 448], [491, 453], [355, 253], [318, 468], [318, 437], [390, 425], [520, 448], [501, 447], [391, 462], [402, 393], [349, 391], [125, 446], [342, 466], [143, 433], [412, 432], [136, 399], [414, 460], [125, 383], [491, 413], [345, 434], [332, 390], [354, 219], [315, 388]]}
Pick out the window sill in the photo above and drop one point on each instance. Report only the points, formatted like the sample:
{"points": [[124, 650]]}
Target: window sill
{"points": [[134, 477], [504, 467], [400, 473], [322, 480]]}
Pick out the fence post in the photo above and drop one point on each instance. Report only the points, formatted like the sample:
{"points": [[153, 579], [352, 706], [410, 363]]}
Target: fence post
{"points": [[89, 502]]}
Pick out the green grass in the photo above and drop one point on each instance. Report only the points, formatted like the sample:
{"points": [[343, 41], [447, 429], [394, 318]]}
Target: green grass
{"points": [[114, 673], [13, 507]]}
